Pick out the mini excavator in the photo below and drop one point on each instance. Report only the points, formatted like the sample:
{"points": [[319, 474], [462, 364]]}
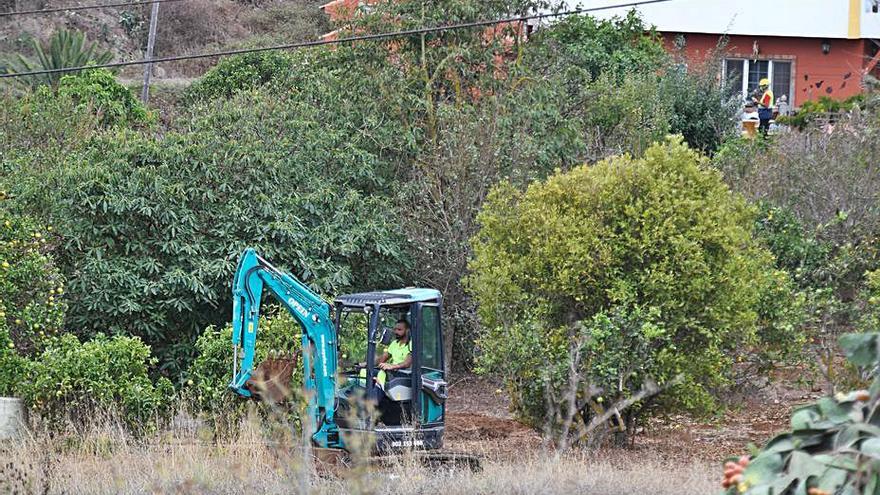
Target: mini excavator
{"points": [[411, 402]]}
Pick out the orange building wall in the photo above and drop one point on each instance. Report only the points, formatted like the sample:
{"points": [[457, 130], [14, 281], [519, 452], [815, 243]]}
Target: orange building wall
{"points": [[837, 74]]}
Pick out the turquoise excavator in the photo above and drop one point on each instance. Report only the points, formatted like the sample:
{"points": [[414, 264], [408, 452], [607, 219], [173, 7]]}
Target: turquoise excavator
{"points": [[409, 404]]}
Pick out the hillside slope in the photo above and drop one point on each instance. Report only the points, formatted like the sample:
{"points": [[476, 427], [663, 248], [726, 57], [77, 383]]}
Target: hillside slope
{"points": [[184, 27]]}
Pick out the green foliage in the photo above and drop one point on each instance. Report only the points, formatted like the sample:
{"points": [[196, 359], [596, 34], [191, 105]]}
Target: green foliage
{"points": [[627, 90], [700, 110], [795, 249], [833, 445], [241, 73], [658, 236], [819, 195], [585, 48], [810, 109], [65, 49], [98, 92], [211, 371], [13, 366], [152, 226], [628, 115], [32, 307], [870, 321], [70, 380]]}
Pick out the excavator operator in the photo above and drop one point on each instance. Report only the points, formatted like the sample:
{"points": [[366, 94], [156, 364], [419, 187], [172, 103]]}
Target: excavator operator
{"points": [[398, 355]]}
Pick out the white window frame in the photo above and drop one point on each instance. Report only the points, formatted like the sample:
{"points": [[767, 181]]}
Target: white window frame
{"points": [[745, 74]]}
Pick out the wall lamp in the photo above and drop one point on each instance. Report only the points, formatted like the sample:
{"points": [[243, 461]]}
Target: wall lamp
{"points": [[826, 46]]}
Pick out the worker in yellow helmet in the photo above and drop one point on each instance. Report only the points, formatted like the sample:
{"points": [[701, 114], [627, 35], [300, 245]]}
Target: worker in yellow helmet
{"points": [[765, 105]]}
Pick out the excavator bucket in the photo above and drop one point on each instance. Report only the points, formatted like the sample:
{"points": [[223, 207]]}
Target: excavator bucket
{"points": [[270, 382]]}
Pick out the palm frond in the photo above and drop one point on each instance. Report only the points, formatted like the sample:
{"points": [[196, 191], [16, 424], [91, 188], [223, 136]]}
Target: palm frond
{"points": [[65, 49]]}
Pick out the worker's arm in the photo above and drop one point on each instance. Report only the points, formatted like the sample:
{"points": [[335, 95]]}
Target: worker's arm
{"points": [[391, 367], [383, 358]]}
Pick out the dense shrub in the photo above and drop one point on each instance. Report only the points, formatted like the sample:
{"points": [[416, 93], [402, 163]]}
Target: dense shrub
{"points": [[819, 192], [151, 227], [70, 380], [152, 231], [211, 371], [796, 250], [660, 236], [700, 109], [97, 91], [13, 366], [585, 48], [241, 73], [32, 306]]}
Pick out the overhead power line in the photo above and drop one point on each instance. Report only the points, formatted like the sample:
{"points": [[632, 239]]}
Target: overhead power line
{"points": [[82, 7], [339, 41]]}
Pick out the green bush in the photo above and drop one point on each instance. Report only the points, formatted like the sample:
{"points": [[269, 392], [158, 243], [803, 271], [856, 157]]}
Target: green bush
{"points": [[71, 380], [659, 236], [98, 92], [241, 73], [796, 250], [700, 109], [13, 366], [32, 305], [585, 48], [211, 371], [810, 109]]}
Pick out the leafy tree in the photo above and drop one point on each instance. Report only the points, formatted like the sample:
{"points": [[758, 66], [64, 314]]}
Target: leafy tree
{"points": [[151, 227], [65, 49], [658, 241], [701, 110], [581, 48]]}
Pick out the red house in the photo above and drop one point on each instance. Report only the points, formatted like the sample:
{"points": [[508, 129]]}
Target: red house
{"points": [[807, 48]]}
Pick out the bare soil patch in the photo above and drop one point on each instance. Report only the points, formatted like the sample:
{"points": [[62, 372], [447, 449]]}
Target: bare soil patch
{"points": [[479, 421]]}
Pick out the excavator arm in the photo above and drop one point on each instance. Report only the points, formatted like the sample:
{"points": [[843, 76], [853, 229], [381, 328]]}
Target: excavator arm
{"points": [[253, 275]]}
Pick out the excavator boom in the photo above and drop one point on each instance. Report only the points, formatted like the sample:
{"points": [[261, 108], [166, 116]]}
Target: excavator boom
{"points": [[254, 275]]}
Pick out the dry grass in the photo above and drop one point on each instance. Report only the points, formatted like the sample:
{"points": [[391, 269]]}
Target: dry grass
{"points": [[104, 460]]}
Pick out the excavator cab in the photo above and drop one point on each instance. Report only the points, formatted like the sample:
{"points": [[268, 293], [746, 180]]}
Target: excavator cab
{"points": [[407, 405]]}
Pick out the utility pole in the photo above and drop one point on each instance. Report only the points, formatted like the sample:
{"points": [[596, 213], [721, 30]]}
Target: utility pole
{"points": [[151, 41]]}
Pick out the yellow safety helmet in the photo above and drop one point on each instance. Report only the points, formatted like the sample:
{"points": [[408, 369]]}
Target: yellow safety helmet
{"points": [[764, 82]]}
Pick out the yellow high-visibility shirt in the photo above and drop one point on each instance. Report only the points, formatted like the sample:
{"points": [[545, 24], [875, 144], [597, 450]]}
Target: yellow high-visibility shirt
{"points": [[398, 351]]}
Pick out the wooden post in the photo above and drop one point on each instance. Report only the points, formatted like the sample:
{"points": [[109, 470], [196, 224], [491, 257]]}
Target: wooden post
{"points": [[151, 41]]}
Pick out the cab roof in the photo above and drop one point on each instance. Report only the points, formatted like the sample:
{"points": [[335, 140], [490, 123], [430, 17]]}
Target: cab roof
{"points": [[408, 295]]}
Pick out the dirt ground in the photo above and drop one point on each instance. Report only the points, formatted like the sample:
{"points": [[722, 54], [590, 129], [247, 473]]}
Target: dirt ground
{"points": [[479, 421]]}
